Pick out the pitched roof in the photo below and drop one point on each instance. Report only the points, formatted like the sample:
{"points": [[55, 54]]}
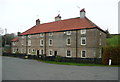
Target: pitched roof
{"points": [[14, 39], [68, 24]]}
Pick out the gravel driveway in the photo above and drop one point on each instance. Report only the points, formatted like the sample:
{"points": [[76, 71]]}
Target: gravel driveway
{"points": [[26, 69]]}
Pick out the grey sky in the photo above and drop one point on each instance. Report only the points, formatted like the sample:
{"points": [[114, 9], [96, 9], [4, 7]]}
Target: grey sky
{"points": [[20, 15]]}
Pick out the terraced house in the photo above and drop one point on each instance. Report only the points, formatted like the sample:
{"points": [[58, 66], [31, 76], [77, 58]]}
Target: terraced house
{"points": [[75, 37]]}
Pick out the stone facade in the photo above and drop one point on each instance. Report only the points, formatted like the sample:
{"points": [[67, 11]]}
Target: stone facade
{"points": [[56, 43]]}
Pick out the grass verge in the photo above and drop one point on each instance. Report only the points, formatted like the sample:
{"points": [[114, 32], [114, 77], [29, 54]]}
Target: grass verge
{"points": [[76, 64]]}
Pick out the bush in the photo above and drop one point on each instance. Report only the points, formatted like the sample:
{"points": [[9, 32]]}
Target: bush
{"points": [[58, 58], [113, 53]]}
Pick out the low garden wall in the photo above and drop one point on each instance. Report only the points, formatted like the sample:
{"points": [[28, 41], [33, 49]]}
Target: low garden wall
{"points": [[57, 58]]}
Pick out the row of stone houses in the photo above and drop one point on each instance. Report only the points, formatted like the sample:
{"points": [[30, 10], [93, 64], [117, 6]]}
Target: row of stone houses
{"points": [[75, 37]]}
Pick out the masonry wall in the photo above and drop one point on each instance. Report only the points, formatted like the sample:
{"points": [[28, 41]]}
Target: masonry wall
{"points": [[92, 47]]}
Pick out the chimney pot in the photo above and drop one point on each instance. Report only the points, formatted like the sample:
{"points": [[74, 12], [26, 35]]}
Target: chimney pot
{"points": [[58, 18], [82, 13], [37, 22]]}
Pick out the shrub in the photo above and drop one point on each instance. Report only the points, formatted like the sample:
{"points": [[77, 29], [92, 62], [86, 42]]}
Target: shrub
{"points": [[58, 58], [111, 52]]}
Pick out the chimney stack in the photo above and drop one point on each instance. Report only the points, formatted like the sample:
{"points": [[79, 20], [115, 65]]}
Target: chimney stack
{"points": [[18, 33], [37, 22], [58, 18], [82, 13]]}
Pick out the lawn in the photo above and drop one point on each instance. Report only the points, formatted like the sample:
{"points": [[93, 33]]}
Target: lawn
{"points": [[76, 64]]}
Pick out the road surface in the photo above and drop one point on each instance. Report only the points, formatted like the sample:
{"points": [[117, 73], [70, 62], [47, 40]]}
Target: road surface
{"points": [[26, 69]]}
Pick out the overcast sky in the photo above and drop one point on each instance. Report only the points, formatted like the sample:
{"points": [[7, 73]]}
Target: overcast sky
{"points": [[20, 15]]}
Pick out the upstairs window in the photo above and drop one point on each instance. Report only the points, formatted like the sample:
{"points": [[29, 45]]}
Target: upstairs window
{"points": [[22, 36], [83, 40], [41, 42], [41, 34], [83, 31], [68, 32], [83, 54], [29, 42], [68, 54], [68, 41], [50, 42], [13, 43], [100, 41], [51, 34], [29, 36]]}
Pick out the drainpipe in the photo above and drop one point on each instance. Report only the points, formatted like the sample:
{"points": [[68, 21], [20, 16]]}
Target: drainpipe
{"points": [[26, 44], [45, 44], [76, 43]]}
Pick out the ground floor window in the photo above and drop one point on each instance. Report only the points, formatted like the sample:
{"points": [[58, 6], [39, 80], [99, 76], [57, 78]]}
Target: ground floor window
{"points": [[41, 52], [29, 51], [68, 54], [50, 52], [83, 53]]}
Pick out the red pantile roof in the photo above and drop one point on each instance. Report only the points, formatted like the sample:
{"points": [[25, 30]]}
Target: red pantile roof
{"points": [[68, 24], [15, 39]]}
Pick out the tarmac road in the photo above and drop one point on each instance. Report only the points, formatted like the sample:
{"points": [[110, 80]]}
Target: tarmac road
{"points": [[26, 69]]}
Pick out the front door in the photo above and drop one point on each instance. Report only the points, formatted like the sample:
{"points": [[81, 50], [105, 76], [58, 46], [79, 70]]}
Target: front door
{"points": [[37, 52], [55, 53]]}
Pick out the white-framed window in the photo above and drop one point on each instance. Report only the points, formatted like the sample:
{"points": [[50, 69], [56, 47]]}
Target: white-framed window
{"points": [[51, 34], [68, 41], [100, 41], [29, 42], [29, 36], [41, 52], [100, 53], [83, 54], [50, 52], [22, 42], [13, 43], [50, 42], [13, 50], [41, 42], [83, 31], [41, 34], [22, 36], [68, 53], [29, 51], [33, 50], [68, 32], [83, 40]]}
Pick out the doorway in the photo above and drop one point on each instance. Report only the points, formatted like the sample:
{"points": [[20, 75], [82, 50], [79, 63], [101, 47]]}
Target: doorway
{"points": [[55, 53], [37, 52]]}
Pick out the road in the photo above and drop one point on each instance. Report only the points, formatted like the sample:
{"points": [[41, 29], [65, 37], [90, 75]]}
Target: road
{"points": [[26, 69]]}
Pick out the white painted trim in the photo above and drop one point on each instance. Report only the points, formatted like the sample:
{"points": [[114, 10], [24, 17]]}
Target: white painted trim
{"points": [[67, 41], [41, 42], [49, 42], [41, 34], [68, 32], [82, 39], [70, 53], [85, 54], [29, 42], [29, 36], [50, 33], [83, 31], [51, 51]]}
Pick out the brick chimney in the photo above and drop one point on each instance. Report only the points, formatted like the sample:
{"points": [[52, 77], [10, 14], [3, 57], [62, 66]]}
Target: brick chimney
{"points": [[82, 13], [57, 18], [37, 22]]}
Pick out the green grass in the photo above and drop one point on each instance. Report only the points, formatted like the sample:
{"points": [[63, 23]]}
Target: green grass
{"points": [[113, 41], [76, 64]]}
